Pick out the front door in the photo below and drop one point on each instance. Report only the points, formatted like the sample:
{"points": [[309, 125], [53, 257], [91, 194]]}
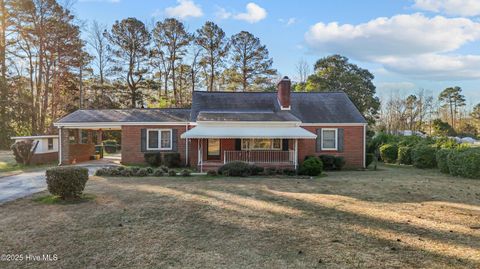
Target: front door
{"points": [[213, 149]]}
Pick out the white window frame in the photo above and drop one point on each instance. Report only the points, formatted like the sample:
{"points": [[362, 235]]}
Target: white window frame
{"points": [[252, 148], [336, 138], [159, 139]]}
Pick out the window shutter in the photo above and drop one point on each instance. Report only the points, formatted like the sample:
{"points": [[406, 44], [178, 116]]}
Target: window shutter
{"points": [[319, 140], [174, 140], [238, 144], [143, 140], [285, 144], [340, 139]]}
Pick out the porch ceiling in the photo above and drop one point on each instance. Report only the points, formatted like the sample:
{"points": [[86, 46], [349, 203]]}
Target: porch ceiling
{"points": [[248, 132]]}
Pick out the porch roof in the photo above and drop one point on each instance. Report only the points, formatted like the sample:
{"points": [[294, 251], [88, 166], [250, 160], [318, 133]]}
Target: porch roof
{"points": [[248, 132]]}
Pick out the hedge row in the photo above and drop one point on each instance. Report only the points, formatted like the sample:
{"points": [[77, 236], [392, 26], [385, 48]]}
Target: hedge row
{"points": [[120, 171]]}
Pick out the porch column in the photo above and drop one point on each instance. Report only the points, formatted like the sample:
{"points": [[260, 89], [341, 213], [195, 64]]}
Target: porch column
{"points": [[64, 147], [296, 153], [100, 137], [89, 137]]}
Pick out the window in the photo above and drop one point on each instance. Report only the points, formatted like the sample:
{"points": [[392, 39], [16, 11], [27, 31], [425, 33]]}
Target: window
{"points": [[159, 139], [213, 149], [50, 144], [261, 144], [329, 139]]}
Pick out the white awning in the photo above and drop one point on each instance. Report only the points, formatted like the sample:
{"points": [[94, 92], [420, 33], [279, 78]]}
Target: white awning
{"points": [[248, 132]]}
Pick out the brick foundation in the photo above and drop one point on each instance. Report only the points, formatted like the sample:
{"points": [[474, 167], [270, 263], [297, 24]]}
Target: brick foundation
{"points": [[43, 158]]}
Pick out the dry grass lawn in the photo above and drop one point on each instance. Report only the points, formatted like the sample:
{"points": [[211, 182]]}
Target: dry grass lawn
{"points": [[394, 218]]}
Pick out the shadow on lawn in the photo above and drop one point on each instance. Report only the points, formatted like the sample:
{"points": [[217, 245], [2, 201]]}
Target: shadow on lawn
{"points": [[284, 222]]}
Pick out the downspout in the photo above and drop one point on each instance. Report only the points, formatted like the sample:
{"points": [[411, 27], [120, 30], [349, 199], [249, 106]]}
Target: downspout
{"points": [[59, 146], [365, 146], [186, 146]]}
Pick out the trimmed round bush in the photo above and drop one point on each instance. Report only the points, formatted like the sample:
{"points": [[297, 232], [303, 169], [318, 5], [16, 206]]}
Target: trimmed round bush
{"points": [[339, 162], [67, 182], [171, 159], [311, 167], [153, 159], [442, 160], [424, 156], [369, 158], [172, 173], [158, 173], [212, 173], [389, 153], [289, 172], [164, 168], [185, 173], [150, 170], [239, 169], [270, 171], [405, 155], [465, 162], [142, 172], [328, 162]]}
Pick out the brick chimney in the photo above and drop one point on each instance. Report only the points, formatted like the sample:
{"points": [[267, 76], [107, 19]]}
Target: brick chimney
{"points": [[283, 93]]}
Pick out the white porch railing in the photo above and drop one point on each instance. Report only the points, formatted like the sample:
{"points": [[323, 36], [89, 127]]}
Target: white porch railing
{"points": [[260, 156]]}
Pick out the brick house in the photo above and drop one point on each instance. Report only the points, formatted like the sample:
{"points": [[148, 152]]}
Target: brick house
{"points": [[267, 128]]}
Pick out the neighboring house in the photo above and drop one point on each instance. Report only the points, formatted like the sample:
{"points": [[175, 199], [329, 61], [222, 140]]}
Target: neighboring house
{"points": [[46, 150], [267, 128]]}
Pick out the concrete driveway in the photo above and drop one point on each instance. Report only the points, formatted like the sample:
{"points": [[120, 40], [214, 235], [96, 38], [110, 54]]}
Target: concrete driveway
{"points": [[21, 185]]}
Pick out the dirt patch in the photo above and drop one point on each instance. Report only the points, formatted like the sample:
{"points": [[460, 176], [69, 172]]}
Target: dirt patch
{"points": [[394, 218]]}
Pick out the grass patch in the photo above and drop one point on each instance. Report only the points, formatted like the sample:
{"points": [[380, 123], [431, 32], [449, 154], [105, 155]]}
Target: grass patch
{"points": [[54, 199]]}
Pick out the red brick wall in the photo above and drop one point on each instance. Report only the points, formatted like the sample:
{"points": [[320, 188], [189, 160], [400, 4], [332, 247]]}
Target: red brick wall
{"points": [[353, 145], [81, 152], [41, 158], [131, 143]]}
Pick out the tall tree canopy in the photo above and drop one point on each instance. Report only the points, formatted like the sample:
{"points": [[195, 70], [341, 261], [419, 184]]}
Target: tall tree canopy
{"points": [[251, 61], [211, 38], [130, 45], [452, 100], [336, 73], [171, 40]]}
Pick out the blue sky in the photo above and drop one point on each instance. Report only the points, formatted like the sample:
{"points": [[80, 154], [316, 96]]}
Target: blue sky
{"points": [[407, 45]]}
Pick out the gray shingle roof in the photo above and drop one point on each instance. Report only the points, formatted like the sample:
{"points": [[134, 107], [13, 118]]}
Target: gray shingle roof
{"points": [[246, 116], [311, 107], [128, 115], [317, 107]]}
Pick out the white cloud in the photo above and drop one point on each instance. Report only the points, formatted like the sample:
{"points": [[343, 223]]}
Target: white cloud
{"points": [[450, 7], [184, 9], [436, 66], [411, 44], [253, 14], [222, 13], [390, 86], [289, 21]]}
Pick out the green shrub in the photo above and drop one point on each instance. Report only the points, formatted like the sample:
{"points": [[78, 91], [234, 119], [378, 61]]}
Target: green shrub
{"points": [[442, 160], [164, 168], [212, 173], [311, 167], [142, 172], [239, 169], [424, 156], [135, 169], [405, 155], [185, 173], [270, 171], [172, 173], [153, 159], [369, 159], [339, 162], [389, 153], [67, 182], [150, 170], [328, 162], [331, 162], [158, 173], [379, 139], [171, 159], [101, 172], [289, 172], [465, 162]]}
